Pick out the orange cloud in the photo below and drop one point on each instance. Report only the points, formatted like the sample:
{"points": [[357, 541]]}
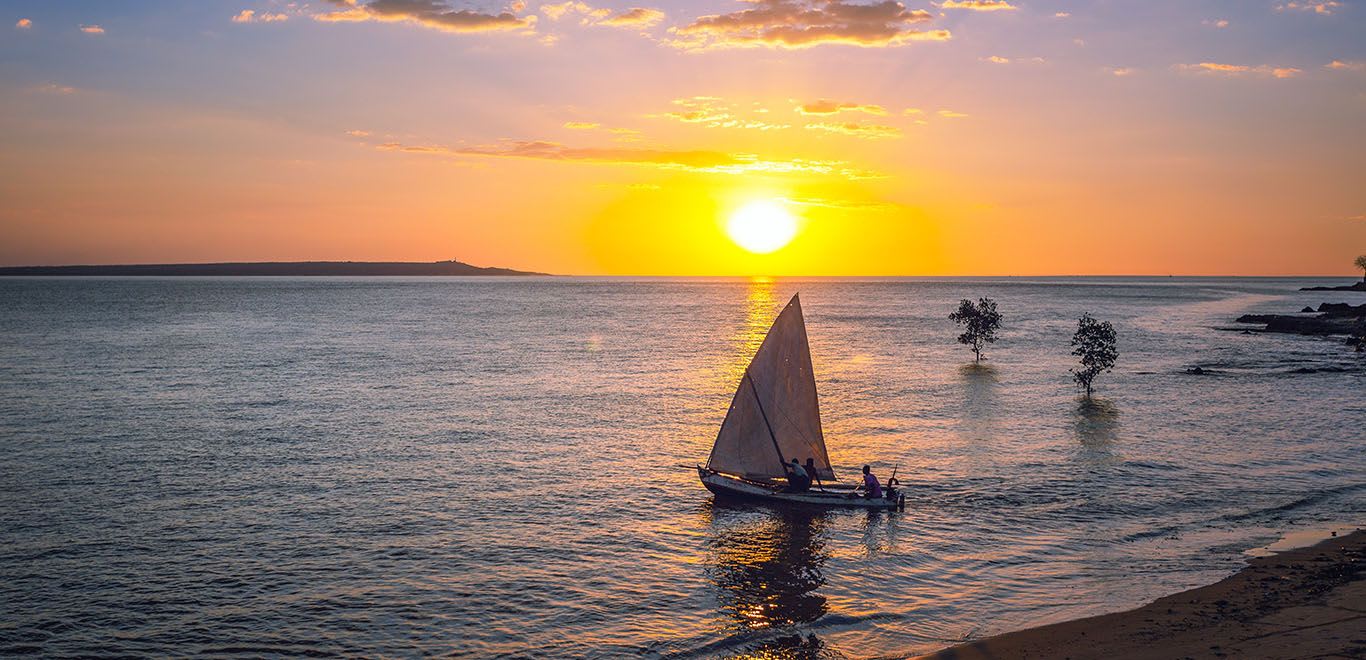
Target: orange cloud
{"points": [[1122, 71], [796, 24], [92, 29], [23, 24], [951, 114], [979, 5], [997, 59], [714, 112], [867, 131], [54, 88], [433, 14], [581, 125], [1221, 23], [1240, 69], [634, 17], [1324, 7], [250, 16], [704, 161], [828, 107], [1339, 65]]}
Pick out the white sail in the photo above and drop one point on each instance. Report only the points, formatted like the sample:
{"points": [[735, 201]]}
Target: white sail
{"points": [[774, 416]]}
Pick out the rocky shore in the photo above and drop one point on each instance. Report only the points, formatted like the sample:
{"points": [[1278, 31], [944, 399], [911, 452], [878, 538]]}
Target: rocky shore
{"points": [[1358, 286], [1331, 319]]}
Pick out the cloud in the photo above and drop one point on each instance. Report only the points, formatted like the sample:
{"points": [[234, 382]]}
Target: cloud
{"points": [[1062, 14], [23, 24], [950, 114], [979, 5], [54, 88], [1350, 65], [1240, 69], [434, 14], [828, 107], [796, 24], [1122, 71], [1220, 23], [713, 162], [1358, 218], [634, 17], [358, 133], [714, 112], [250, 16], [556, 12], [581, 125], [92, 29], [1323, 7], [868, 131], [996, 59]]}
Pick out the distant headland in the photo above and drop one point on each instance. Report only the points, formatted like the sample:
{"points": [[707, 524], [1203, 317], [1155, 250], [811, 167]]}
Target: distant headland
{"points": [[267, 268]]}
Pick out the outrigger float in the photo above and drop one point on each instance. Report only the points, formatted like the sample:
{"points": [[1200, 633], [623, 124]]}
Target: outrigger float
{"points": [[774, 417]]}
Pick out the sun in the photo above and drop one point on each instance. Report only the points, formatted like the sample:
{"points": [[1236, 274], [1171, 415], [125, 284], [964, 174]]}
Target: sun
{"points": [[762, 227]]}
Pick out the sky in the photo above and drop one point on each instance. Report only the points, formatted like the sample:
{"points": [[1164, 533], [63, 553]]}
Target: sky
{"points": [[958, 137]]}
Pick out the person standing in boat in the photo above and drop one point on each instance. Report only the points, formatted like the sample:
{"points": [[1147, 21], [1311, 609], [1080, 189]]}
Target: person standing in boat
{"points": [[871, 488], [811, 474], [798, 480]]}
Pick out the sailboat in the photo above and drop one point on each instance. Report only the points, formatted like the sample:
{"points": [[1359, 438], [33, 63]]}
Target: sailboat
{"points": [[775, 417]]}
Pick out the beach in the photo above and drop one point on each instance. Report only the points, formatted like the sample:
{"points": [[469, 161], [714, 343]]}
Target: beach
{"points": [[1302, 603]]}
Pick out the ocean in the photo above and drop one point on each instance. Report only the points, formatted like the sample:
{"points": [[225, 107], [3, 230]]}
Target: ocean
{"points": [[498, 467]]}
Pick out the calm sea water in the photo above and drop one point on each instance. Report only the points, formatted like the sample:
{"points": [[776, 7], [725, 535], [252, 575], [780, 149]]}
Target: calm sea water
{"points": [[490, 467]]}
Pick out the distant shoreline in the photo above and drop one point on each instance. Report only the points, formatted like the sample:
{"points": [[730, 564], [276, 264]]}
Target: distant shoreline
{"points": [[266, 269]]}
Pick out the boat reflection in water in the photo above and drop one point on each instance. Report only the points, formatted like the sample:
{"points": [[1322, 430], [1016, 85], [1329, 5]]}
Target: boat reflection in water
{"points": [[766, 564]]}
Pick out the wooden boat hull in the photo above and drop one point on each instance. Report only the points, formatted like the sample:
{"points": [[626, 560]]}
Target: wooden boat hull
{"points": [[723, 485]]}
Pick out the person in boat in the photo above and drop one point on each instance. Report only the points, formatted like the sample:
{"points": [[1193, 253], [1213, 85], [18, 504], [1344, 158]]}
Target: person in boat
{"points": [[798, 479], [811, 473], [871, 488]]}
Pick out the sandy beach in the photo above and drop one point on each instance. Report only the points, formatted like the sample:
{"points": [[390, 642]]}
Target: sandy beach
{"points": [[1303, 603]]}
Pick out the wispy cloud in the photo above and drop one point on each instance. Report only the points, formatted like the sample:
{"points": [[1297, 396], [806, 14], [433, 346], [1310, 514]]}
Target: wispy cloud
{"points": [[1216, 23], [581, 125], [54, 88], [829, 107], [713, 162], [807, 23], [1121, 71], [714, 112], [250, 16], [952, 114], [357, 133], [23, 24], [1240, 69], [856, 129], [1350, 65], [634, 17], [1062, 14], [996, 59], [1324, 7], [978, 5], [434, 14], [92, 29]]}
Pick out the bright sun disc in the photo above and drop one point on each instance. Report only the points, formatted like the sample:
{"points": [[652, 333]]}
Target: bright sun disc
{"points": [[761, 227]]}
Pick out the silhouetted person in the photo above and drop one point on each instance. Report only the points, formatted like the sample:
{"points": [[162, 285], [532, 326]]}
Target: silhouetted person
{"points": [[798, 480], [811, 474], [871, 488]]}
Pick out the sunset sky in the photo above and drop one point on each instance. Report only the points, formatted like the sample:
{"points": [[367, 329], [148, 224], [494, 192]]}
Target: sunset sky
{"points": [[982, 137]]}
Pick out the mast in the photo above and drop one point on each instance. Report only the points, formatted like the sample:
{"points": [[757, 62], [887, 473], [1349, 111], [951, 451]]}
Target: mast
{"points": [[771, 435]]}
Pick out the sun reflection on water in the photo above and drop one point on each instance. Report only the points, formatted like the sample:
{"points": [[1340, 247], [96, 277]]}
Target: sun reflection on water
{"points": [[767, 566]]}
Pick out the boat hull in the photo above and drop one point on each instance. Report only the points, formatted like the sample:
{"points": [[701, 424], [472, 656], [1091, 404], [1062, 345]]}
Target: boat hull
{"points": [[723, 485]]}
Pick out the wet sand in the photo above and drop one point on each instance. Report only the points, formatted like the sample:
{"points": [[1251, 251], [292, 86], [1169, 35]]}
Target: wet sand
{"points": [[1303, 603]]}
